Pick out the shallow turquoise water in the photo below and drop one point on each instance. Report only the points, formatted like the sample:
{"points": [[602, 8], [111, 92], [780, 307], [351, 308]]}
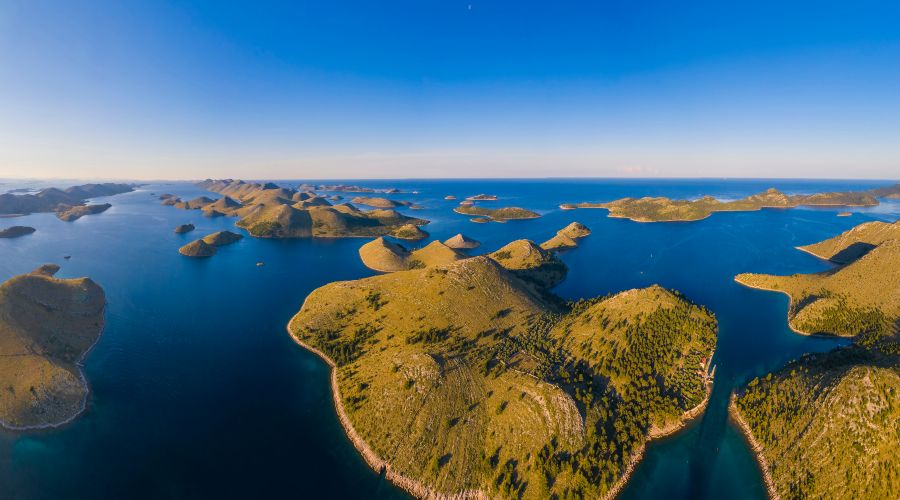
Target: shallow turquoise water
{"points": [[199, 392]]}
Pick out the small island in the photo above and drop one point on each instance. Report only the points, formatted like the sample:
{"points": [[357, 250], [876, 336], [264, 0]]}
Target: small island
{"points": [[208, 245], [184, 228], [379, 202], [74, 213], [409, 232], [567, 237], [496, 214], [471, 379], [47, 325], [661, 209], [482, 197], [15, 231], [847, 399]]}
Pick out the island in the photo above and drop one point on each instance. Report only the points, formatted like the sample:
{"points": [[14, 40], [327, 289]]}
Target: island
{"points": [[461, 242], [662, 209], [471, 379], [496, 214], [222, 238], [47, 326], [481, 197], [379, 202], [409, 232], [269, 211], [197, 249], [825, 425], [60, 201], [74, 213], [15, 231], [184, 228], [567, 237]]}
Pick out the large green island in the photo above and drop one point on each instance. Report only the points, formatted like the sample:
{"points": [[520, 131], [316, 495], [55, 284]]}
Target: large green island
{"points": [[471, 378], [661, 209], [825, 426], [46, 327]]}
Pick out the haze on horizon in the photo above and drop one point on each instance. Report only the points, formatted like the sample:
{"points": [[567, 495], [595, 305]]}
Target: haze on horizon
{"points": [[352, 89]]}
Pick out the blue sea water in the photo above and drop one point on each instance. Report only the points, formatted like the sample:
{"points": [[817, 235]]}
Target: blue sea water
{"points": [[198, 391]]}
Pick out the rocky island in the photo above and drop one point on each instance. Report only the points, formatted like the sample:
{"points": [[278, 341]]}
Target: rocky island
{"points": [[269, 211], [184, 228], [409, 232], [662, 209], [47, 325], [471, 379], [69, 203], [825, 426], [15, 231]]}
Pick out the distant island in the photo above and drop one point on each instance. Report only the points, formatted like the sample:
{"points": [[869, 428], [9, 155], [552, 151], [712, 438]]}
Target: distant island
{"points": [[15, 231], [68, 204], [825, 426], [346, 188], [379, 202], [269, 211], [496, 214], [470, 378], [662, 209], [481, 197], [46, 327]]}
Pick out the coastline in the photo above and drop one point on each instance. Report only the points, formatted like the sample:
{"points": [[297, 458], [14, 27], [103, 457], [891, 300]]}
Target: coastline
{"points": [[653, 434], [79, 367], [754, 445], [790, 304], [376, 463]]}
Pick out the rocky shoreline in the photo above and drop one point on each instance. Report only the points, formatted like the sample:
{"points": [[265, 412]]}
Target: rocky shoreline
{"points": [[755, 447]]}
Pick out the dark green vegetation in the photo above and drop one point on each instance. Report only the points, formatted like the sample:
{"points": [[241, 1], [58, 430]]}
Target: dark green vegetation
{"points": [[15, 231], [505, 213], [465, 377], [269, 211], [46, 326], [668, 210], [826, 425], [61, 201]]}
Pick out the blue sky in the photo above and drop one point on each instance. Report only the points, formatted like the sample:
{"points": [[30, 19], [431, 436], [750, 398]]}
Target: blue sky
{"points": [[444, 88]]}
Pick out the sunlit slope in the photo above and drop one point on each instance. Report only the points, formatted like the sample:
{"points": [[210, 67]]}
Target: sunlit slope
{"points": [[46, 325], [463, 378]]}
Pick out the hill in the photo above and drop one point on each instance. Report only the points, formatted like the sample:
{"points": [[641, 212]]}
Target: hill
{"points": [[461, 242], [46, 327], [409, 232], [824, 426], [197, 248], [221, 238], [661, 209], [384, 256], [57, 200], [269, 211], [858, 298], [462, 379]]}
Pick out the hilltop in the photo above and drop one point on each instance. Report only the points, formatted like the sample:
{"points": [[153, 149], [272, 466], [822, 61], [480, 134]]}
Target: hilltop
{"points": [[464, 379], [824, 426], [266, 210], [461, 242], [384, 256], [46, 327], [661, 209]]}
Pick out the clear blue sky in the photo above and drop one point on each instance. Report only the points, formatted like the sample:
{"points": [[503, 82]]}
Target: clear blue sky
{"points": [[445, 88]]}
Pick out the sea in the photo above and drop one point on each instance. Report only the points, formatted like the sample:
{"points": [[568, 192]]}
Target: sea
{"points": [[197, 391]]}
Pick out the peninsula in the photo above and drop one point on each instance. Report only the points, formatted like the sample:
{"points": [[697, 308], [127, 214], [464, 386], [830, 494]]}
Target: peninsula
{"points": [[465, 379], [824, 426], [662, 209], [567, 237], [47, 325]]}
